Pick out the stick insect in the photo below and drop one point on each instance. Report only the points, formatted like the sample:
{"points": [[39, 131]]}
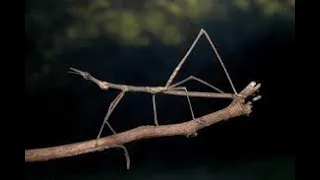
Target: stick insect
{"points": [[169, 88]]}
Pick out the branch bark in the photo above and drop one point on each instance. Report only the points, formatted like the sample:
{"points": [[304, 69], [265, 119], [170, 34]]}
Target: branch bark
{"points": [[238, 107]]}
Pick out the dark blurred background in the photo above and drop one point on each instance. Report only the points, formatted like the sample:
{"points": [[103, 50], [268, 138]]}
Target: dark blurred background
{"points": [[140, 43]]}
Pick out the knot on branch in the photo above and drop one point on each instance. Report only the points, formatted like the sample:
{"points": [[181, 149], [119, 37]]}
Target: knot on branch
{"points": [[247, 96]]}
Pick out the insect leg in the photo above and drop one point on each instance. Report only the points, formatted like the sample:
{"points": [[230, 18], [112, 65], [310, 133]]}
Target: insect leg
{"points": [[112, 106], [155, 110], [189, 102], [196, 79]]}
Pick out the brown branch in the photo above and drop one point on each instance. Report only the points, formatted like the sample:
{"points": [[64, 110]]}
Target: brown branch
{"points": [[238, 107]]}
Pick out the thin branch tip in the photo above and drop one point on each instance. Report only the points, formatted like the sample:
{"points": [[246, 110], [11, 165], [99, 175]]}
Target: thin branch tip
{"points": [[257, 87], [256, 98]]}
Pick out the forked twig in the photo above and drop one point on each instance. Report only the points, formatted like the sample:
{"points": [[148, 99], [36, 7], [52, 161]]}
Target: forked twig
{"points": [[236, 108]]}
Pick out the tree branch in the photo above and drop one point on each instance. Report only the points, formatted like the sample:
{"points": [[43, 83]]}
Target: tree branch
{"points": [[238, 107]]}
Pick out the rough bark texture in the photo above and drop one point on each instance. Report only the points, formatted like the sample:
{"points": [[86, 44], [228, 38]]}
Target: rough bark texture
{"points": [[238, 107]]}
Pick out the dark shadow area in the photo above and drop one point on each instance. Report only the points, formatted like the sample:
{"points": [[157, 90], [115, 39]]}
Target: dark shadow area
{"points": [[254, 43]]}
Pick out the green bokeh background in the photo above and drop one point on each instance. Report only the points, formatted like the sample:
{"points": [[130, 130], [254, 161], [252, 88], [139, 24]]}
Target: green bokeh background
{"points": [[140, 42]]}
